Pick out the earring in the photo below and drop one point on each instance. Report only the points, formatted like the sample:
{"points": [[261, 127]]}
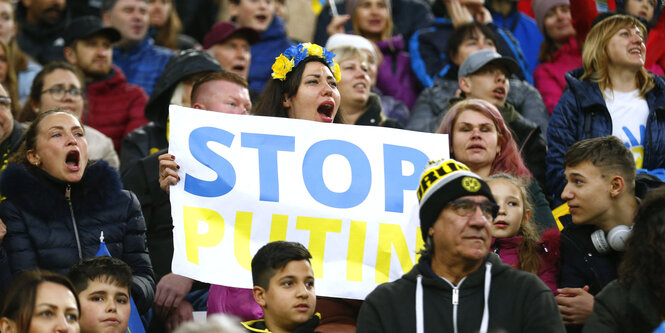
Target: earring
{"points": [[36, 110]]}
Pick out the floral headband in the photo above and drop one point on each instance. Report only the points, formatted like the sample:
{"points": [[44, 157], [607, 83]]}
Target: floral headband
{"points": [[297, 53]]}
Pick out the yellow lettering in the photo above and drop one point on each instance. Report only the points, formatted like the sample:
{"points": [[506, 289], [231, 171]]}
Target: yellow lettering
{"points": [[318, 228], [420, 244], [390, 235], [193, 239], [354, 259], [278, 227], [243, 230]]}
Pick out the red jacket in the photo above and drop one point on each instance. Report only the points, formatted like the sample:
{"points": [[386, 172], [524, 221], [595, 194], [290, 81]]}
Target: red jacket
{"points": [[549, 77], [115, 106], [507, 249]]}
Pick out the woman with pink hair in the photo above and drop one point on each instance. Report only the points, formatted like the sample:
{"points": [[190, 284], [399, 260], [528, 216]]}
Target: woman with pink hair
{"points": [[478, 137]]}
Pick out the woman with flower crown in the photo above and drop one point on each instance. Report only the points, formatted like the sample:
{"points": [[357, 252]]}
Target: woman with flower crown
{"points": [[303, 86]]}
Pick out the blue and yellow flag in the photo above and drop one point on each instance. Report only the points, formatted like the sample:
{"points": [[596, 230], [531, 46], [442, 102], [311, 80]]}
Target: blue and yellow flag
{"points": [[317, 6], [135, 325]]}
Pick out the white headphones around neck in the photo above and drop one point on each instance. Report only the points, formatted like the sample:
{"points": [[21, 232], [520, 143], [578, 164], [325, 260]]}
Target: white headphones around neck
{"points": [[616, 239]]}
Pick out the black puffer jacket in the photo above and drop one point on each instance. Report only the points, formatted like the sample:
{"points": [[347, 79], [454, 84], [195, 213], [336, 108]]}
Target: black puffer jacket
{"points": [[43, 232]]}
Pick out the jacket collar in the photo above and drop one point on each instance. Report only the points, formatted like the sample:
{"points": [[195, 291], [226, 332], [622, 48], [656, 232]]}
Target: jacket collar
{"points": [[39, 194]]}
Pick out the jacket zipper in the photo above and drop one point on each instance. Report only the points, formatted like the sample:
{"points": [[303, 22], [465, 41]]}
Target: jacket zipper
{"points": [[455, 303], [68, 197]]}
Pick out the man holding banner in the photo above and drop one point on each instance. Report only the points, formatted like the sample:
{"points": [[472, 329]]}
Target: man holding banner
{"points": [[457, 285]]}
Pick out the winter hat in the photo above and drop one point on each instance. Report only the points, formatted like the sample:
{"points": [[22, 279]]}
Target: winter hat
{"points": [[540, 8], [342, 40], [443, 181]]}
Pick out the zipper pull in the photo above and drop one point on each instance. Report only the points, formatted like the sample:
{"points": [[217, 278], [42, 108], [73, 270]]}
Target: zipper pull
{"points": [[455, 296], [68, 192]]}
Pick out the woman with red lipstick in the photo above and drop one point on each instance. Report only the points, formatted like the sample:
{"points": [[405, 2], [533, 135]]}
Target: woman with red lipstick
{"points": [[480, 138], [303, 86], [613, 94], [58, 203], [59, 85], [515, 238]]}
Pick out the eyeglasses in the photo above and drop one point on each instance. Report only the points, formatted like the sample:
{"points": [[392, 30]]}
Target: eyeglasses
{"points": [[468, 207], [58, 93], [5, 102]]}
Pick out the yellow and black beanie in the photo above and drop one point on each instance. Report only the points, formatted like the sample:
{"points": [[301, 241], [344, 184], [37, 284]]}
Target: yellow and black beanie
{"points": [[443, 181]]}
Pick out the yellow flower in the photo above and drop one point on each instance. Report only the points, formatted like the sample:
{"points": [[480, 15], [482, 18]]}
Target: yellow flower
{"points": [[281, 67], [336, 72], [316, 50]]}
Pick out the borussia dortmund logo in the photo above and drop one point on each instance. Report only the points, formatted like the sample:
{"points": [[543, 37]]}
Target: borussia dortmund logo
{"points": [[470, 184]]}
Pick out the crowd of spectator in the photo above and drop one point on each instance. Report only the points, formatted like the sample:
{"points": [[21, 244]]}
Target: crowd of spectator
{"points": [[554, 109]]}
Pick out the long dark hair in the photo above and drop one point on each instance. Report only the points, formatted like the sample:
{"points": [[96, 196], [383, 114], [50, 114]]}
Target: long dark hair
{"points": [[272, 100], [644, 260], [19, 302]]}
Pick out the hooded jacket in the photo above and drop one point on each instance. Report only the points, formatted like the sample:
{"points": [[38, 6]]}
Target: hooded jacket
{"points": [[272, 43], [494, 296], [428, 46], [52, 224], [582, 114], [431, 105], [141, 148], [115, 106]]}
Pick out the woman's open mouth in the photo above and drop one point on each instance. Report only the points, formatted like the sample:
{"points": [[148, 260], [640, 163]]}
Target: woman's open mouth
{"points": [[325, 111], [72, 160]]}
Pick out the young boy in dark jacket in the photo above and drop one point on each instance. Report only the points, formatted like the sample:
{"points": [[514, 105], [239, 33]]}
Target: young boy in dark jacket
{"points": [[284, 288]]}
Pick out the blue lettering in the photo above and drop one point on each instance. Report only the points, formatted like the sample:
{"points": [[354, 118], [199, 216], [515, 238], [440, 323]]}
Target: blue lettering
{"points": [[226, 175], [396, 181], [361, 175], [268, 146]]}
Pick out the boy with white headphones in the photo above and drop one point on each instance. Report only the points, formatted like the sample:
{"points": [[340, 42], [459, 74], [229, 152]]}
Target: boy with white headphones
{"points": [[601, 196]]}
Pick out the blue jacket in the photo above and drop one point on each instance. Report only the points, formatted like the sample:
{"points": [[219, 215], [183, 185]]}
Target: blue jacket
{"points": [[273, 42], [40, 223], [526, 33], [143, 63], [428, 47], [581, 114]]}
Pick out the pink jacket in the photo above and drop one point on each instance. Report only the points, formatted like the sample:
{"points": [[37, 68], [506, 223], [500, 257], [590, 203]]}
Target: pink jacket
{"points": [[238, 302], [507, 248], [549, 77]]}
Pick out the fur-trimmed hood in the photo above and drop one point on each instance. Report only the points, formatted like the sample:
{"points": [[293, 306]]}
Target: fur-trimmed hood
{"points": [[40, 194]]}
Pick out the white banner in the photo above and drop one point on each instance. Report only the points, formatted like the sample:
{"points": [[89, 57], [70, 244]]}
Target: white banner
{"points": [[348, 193]]}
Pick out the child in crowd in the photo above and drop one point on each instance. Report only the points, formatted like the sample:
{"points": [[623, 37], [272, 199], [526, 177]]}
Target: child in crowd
{"points": [[516, 236], [284, 288], [103, 285]]}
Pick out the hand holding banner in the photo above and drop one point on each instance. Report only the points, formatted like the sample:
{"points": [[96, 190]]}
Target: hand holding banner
{"points": [[346, 192]]}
